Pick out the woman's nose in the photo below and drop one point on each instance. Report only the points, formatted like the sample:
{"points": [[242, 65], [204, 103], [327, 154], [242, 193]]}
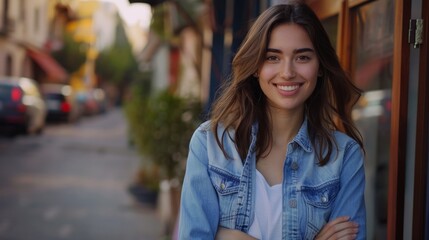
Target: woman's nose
{"points": [[288, 70]]}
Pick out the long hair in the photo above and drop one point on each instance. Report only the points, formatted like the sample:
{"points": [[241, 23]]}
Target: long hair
{"points": [[242, 102]]}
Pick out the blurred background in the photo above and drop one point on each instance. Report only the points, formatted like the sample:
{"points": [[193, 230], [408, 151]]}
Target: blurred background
{"points": [[98, 100]]}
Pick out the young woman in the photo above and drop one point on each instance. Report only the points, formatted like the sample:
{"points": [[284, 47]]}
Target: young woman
{"points": [[280, 157]]}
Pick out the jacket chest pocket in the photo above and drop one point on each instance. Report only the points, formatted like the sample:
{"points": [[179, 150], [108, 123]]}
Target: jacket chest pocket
{"points": [[227, 186], [318, 205]]}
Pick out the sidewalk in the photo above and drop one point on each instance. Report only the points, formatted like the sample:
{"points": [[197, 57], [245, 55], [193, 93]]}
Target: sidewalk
{"points": [[72, 183]]}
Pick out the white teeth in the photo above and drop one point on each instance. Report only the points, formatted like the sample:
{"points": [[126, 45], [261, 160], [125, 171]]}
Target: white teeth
{"points": [[288, 88]]}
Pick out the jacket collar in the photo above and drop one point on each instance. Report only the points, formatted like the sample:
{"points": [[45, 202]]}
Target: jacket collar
{"points": [[302, 138]]}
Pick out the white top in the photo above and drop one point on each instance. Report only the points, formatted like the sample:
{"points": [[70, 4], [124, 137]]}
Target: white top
{"points": [[267, 223]]}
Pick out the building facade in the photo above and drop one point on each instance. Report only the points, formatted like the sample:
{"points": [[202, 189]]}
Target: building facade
{"points": [[24, 27]]}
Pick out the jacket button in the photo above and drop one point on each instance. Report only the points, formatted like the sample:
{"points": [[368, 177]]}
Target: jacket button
{"points": [[324, 199], [294, 166], [292, 203], [222, 186]]}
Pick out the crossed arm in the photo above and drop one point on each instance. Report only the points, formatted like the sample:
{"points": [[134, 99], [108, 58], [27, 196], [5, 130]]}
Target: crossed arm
{"points": [[339, 229]]}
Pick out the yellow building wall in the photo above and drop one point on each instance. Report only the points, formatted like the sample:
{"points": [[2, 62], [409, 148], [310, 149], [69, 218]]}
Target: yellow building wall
{"points": [[82, 31]]}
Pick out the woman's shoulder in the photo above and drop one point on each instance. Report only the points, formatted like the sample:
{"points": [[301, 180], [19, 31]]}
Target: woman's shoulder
{"points": [[343, 140], [204, 138], [205, 132], [206, 127]]}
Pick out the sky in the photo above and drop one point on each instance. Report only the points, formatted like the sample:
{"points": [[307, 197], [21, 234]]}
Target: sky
{"points": [[136, 13]]}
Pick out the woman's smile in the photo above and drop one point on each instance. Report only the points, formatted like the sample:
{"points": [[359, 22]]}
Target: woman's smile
{"points": [[288, 88]]}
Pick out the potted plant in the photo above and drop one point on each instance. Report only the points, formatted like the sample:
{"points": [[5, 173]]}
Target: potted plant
{"points": [[161, 128], [166, 129]]}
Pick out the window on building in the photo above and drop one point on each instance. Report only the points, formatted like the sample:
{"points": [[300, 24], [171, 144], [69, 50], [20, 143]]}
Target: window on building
{"points": [[371, 64], [8, 65], [4, 14], [331, 26], [36, 19]]}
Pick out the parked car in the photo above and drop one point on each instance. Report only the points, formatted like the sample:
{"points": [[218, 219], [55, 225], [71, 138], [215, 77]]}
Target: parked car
{"points": [[101, 99], [22, 108], [88, 103], [61, 102], [93, 101]]}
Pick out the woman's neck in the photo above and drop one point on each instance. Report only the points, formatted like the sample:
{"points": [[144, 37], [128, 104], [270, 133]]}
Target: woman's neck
{"points": [[285, 125]]}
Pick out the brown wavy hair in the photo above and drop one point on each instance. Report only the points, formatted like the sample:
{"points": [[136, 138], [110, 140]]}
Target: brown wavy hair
{"points": [[242, 102]]}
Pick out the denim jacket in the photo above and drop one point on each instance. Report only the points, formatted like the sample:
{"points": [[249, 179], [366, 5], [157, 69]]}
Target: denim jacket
{"points": [[220, 192]]}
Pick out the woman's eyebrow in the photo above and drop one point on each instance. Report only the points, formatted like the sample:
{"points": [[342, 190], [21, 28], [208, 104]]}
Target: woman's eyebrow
{"points": [[273, 50], [302, 50], [296, 51]]}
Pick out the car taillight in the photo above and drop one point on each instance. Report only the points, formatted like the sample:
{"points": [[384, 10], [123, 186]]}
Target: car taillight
{"points": [[65, 107], [16, 94]]}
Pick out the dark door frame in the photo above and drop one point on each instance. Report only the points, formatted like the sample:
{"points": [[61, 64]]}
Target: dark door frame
{"points": [[398, 141], [421, 157]]}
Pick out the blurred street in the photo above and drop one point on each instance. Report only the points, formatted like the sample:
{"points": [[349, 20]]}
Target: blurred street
{"points": [[71, 183]]}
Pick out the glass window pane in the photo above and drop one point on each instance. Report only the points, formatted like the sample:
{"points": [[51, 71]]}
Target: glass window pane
{"points": [[331, 26], [372, 72]]}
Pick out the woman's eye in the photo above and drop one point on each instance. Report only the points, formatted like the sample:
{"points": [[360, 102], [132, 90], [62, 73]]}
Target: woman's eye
{"points": [[272, 58], [303, 58]]}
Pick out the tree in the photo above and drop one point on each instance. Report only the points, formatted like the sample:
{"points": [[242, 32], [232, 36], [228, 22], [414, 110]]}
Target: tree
{"points": [[117, 63], [72, 55]]}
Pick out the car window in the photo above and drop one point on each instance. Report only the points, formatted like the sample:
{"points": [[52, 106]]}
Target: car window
{"points": [[54, 96], [5, 92]]}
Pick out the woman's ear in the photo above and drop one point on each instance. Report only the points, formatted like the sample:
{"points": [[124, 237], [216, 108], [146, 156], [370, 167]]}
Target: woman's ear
{"points": [[256, 75]]}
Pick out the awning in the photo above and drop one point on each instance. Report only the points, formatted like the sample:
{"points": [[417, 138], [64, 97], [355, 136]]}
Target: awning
{"points": [[48, 64]]}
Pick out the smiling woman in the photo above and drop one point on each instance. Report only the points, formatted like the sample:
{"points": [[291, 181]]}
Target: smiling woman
{"points": [[280, 157]]}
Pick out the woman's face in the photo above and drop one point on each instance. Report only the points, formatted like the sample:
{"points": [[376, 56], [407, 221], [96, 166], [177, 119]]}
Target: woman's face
{"points": [[288, 75]]}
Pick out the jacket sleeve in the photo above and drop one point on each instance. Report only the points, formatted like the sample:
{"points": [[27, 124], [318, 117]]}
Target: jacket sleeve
{"points": [[350, 200], [199, 207]]}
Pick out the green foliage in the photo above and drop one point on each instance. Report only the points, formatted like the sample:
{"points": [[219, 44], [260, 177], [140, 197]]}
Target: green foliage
{"points": [[167, 22], [72, 55], [162, 125], [117, 64], [157, 23]]}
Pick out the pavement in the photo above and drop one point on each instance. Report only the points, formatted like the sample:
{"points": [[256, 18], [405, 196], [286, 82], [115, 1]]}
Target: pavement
{"points": [[72, 182]]}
